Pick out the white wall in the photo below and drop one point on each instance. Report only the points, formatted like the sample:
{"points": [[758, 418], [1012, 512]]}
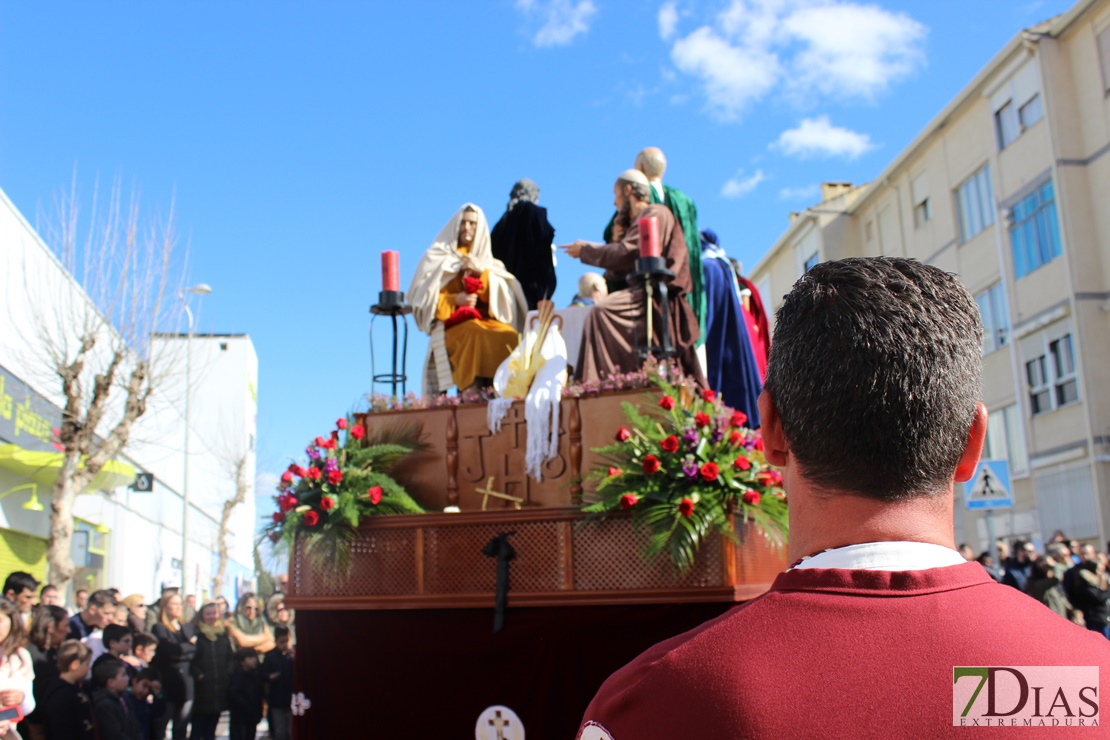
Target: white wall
{"points": [[145, 527]]}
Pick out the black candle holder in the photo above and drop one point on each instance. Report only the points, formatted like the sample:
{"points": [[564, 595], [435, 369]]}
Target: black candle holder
{"points": [[653, 273], [392, 303]]}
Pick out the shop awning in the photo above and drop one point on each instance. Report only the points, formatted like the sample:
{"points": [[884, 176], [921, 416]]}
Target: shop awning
{"points": [[42, 468]]}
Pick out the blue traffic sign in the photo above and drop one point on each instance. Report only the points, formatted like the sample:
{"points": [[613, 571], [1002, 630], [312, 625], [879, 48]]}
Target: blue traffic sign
{"points": [[990, 487]]}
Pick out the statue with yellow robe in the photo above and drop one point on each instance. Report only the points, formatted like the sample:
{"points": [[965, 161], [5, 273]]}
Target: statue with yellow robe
{"points": [[467, 302]]}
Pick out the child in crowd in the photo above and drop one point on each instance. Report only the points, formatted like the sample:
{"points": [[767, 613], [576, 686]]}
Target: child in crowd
{"points": [[145, 701], [67, 709], [113, 720], [245, 695], [117, 643], [144, 646], [277, 670]]}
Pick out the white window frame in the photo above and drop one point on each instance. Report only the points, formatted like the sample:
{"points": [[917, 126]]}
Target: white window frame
{"points": [[1037, 385], [1063, 370], [811, 261], [1005, 122], [975, 204], [1103, 43], [1006, 439], [1055, 375], [1027, 120], [996, 317]]}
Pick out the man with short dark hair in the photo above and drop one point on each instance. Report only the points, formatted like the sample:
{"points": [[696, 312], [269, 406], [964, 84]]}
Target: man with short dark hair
{"points": [[872, 410], [95, 616], [19, 588], [49, 596]]}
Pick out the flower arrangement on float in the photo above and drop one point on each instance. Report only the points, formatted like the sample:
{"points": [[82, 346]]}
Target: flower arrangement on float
{"points": [[685, 469], [345, 477]]}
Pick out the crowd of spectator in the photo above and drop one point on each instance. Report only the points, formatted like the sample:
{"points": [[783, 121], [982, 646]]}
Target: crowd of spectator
{"points": [[1069, 578], [117, 668]]}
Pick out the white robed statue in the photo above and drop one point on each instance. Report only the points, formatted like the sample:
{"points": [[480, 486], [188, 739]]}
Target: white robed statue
{"points": [[467, 302]]}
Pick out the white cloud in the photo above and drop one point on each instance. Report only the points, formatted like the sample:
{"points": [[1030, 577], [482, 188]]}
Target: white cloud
{"points": [[732, 76], [738, 188], [841, 49], [668, 20], [817, 137], [562, 20], [800, 193], [854, 50]]}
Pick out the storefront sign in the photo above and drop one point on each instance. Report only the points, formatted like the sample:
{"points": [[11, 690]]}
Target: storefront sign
{"points": [[27, 418]]}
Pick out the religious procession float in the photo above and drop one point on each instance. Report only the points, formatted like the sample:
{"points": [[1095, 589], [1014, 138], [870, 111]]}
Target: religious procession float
{"points": [[481, 562]]}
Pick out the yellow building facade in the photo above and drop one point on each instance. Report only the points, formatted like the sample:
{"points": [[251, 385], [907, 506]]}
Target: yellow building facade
{"points": [[1008, 187]]}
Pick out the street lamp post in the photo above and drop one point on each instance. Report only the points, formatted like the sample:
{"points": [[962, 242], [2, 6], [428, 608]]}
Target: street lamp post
{"points": [[200, 290]]}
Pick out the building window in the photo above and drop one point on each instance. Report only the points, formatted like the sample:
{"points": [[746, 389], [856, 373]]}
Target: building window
{"points": [[1104, 57], [1006, 439], [996, 319], [1035, 233], [976, 203], [1051, 377], [1030, 112], [921, 213], [1036, 375], [922, 208], [1065, 385], [810, 263], [1006, 125]]}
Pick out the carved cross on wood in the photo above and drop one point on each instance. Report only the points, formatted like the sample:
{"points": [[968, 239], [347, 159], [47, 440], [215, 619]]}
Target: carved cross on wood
{"points": [[488, 491]]}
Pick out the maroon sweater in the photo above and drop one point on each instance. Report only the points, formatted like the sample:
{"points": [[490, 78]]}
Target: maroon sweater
{"points": [[842, 653]]}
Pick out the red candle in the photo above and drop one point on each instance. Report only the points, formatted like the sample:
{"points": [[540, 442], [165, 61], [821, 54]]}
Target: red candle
{"points": [[391, 271], [649, 237]]}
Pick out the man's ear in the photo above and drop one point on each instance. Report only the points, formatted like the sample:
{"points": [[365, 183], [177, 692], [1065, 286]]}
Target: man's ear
{"points": [[775, 448], [969, 461]]}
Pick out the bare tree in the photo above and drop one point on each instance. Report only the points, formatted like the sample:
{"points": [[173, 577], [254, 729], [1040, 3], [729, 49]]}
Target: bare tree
{"points": [[237, 466], [92, 333]]}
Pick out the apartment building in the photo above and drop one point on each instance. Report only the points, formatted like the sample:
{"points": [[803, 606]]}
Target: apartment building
{"points": [[1003, 188]]}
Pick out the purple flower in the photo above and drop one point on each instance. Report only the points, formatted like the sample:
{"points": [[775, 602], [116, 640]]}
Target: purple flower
{"points": [[690, 468], [331, 464], [312, 452], [691, 438], [718, 430]]}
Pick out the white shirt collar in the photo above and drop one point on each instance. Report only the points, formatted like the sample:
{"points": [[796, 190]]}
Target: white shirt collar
{"points": [[888, 556]]}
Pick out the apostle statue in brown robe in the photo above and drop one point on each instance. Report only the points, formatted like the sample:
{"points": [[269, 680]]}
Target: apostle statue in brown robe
{"points": [[616, 328], [468, 304]]}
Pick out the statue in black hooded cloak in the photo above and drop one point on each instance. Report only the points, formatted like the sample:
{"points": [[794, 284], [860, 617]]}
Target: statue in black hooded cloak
{"points": [[523, 239]]}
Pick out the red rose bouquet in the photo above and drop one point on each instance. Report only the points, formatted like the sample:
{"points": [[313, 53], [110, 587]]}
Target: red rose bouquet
{"points": [[684, 467], [345, 478]]}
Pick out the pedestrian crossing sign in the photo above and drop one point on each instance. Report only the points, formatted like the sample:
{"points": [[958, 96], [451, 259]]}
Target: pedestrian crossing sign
{"points": [[990, 487]]}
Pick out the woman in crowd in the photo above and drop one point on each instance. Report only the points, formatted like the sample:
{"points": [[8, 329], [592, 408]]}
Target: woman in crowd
{"points": [[17, 672], [248, 628], [136, 613], [212, 665], [176, 647], [49, 628], [225, 608], [280, 615]]}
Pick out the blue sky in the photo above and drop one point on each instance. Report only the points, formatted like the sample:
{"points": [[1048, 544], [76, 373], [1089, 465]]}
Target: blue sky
{"points": [[301, 139]]}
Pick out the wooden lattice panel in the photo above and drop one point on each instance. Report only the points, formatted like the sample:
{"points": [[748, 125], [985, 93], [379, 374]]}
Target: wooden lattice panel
{"points": [[454, 562], [436, 561], [381, 563], [607, 557]]}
